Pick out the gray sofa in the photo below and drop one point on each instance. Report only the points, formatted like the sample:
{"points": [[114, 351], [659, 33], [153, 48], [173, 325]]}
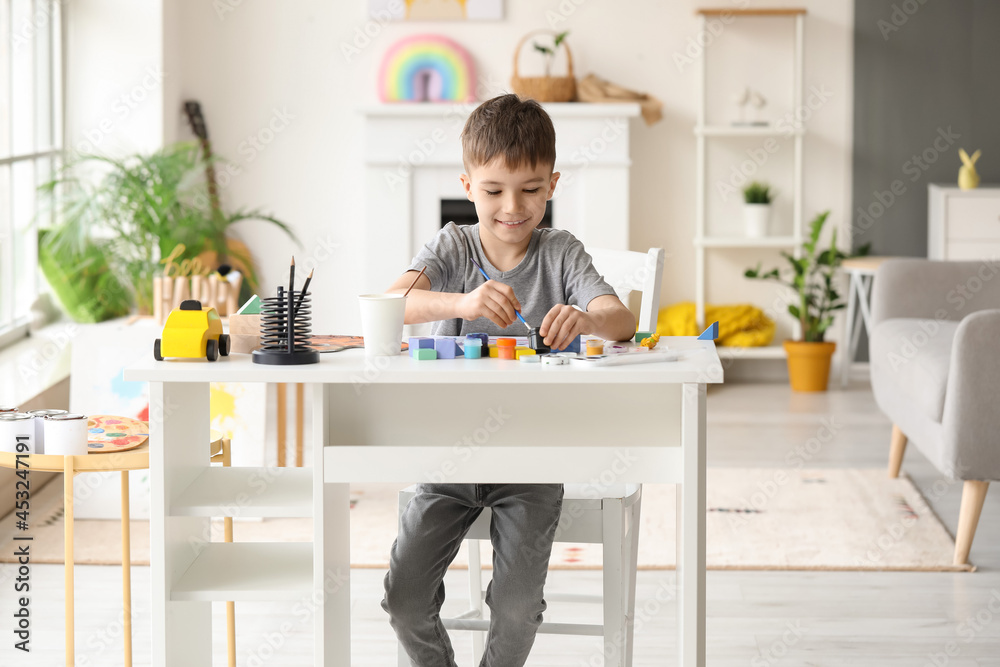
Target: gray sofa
{"points": [[935, 372]]}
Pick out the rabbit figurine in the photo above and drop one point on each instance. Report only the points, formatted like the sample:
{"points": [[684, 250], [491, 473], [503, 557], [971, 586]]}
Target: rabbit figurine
{"points": [[968, 179]]}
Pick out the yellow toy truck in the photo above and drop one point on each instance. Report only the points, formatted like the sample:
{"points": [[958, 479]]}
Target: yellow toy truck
{"points": [[192, 332]]}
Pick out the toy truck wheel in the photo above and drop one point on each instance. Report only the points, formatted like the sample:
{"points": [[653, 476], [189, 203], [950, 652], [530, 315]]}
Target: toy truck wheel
{"points": [[225, 344], [212, 350], [156, 350]]}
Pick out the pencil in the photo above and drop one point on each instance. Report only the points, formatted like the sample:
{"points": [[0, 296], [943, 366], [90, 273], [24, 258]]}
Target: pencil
{"points": [[302, 294], [291, 293]]}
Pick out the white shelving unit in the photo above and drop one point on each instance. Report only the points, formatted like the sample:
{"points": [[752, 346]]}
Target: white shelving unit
{"points": [[705, 132]]}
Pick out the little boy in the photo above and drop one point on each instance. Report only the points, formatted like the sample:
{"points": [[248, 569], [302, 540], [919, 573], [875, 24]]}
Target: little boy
{"points": [[508, 147]]}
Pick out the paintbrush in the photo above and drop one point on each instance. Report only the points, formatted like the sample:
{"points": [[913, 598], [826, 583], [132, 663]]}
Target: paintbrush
{"points": [[414, 281], [473, 260]]}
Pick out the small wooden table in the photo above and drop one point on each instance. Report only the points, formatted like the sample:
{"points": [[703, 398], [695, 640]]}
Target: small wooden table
{"points": [[111, 461]]}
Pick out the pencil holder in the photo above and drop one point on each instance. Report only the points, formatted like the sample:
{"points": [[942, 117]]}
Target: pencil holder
{"points": [[285, 328]]}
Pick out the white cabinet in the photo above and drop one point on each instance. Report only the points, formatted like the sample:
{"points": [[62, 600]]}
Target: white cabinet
{"points": [[963, 224]]}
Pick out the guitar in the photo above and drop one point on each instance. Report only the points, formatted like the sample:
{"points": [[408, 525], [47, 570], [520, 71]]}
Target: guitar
{"points": [[197, 121]]}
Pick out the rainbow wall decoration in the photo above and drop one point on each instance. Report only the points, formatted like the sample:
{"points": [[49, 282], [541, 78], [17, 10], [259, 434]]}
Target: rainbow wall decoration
{"points": [[426, 68]]}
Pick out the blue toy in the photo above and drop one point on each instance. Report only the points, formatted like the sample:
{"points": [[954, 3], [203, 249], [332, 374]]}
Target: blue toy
{"points": [[711, 333], [446, 348]]}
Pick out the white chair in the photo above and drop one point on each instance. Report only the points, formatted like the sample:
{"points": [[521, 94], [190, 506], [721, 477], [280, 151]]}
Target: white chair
{"points": [[611, 520]]}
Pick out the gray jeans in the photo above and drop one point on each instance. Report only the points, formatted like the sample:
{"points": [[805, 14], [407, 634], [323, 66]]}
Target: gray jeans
{"points": [[431, 530]]}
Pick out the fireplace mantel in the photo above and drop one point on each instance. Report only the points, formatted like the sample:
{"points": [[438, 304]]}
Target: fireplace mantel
{"points": [[413, 159]]}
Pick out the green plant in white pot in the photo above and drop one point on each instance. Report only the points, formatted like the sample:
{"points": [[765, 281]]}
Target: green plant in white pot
{"points": [[757, 198]]}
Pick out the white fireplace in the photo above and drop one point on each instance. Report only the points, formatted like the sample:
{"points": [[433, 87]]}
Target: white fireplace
{"points": [[413, 158]]}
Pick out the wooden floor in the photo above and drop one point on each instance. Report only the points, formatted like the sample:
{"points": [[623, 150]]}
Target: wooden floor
{"points": [[754, 618]]}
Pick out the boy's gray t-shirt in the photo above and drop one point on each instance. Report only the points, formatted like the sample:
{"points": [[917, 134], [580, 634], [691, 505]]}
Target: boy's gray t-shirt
{"points": [[556, 269]]}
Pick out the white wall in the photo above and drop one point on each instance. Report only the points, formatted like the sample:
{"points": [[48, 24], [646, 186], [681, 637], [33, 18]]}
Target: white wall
{"points": [[265, 61], [114, 76]]}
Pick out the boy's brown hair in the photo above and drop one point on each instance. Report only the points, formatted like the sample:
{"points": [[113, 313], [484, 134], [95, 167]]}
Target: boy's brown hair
{"points": [[519, 132]]}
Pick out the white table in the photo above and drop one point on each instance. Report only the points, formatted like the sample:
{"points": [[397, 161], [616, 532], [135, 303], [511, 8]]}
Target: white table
{"points": [[401, 420]]}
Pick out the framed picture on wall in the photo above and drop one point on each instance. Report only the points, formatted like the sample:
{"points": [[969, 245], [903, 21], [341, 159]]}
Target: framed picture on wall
{"points": [[437, 10]]}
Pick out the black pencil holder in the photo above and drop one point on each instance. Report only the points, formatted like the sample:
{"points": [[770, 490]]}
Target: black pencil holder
{"points": [[285, 329]]}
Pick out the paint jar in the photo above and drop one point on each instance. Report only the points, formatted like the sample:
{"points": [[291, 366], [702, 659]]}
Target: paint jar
{"points": [[17, 427], [66, 434], [505, 352], [484, 339], [594, 347], [536, 341], [473, 348], [40, 416], [7, 408]]}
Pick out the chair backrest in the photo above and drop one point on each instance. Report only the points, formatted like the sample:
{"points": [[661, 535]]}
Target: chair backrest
{"points": [[628, 272]]}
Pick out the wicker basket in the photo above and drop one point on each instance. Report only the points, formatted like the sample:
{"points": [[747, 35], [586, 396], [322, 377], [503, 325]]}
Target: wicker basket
{"points": [[544, 88]]}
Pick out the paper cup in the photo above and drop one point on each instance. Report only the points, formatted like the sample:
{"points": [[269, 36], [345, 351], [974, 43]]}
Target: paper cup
{"points": [[382, 323], [17, 427], [66, 435], [40, 416]]}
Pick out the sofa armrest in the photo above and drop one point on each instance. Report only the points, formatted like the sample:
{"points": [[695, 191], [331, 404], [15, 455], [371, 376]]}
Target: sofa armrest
{"points": [[971, 412], [929, 289]]}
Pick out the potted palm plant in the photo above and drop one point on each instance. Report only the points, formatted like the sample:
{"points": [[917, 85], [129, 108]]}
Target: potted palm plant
{"points": [[817, 300], [117, 217], [757, 198]]}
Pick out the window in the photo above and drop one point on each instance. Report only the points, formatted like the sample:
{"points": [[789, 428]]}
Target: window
{"points": [[30, 144]]}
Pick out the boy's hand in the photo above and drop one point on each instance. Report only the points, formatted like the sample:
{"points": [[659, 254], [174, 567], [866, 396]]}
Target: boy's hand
{"points": [[492, 300], [562, 324]]}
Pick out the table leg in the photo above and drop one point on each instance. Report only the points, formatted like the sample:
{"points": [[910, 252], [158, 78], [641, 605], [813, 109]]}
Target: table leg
{"points": [[68, 557], [691, 531], [847, 351], [282, 422], [300, 410], [864, 302], [227, 523], [180, 632], [331, 548], [126, 570]]}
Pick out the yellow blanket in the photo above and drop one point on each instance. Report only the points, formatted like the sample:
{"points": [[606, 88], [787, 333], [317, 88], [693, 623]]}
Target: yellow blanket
{"points": [[740, 325]]}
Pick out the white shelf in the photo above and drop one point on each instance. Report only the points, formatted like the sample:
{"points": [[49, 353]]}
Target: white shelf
{"points": [[748, 131], [556, 109], [708, 135], [246, 492], [241, 571], [746, 242], [763, 352]]}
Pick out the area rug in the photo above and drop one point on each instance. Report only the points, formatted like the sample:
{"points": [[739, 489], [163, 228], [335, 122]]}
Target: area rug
{"points": [[758, 519]]}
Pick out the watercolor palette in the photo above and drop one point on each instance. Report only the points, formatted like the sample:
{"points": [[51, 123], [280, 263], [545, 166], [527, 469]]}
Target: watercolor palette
{"points": [[107, 433]]}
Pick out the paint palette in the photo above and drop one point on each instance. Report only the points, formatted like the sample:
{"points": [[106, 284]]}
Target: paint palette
{"points": [[107, 433]]}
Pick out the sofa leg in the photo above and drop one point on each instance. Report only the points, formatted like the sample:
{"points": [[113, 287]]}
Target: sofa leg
{"points": [[896, 448], [973, 495]]}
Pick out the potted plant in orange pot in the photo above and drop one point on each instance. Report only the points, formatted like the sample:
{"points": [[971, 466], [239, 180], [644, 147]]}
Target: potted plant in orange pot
{"points": [[812, 279]]}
